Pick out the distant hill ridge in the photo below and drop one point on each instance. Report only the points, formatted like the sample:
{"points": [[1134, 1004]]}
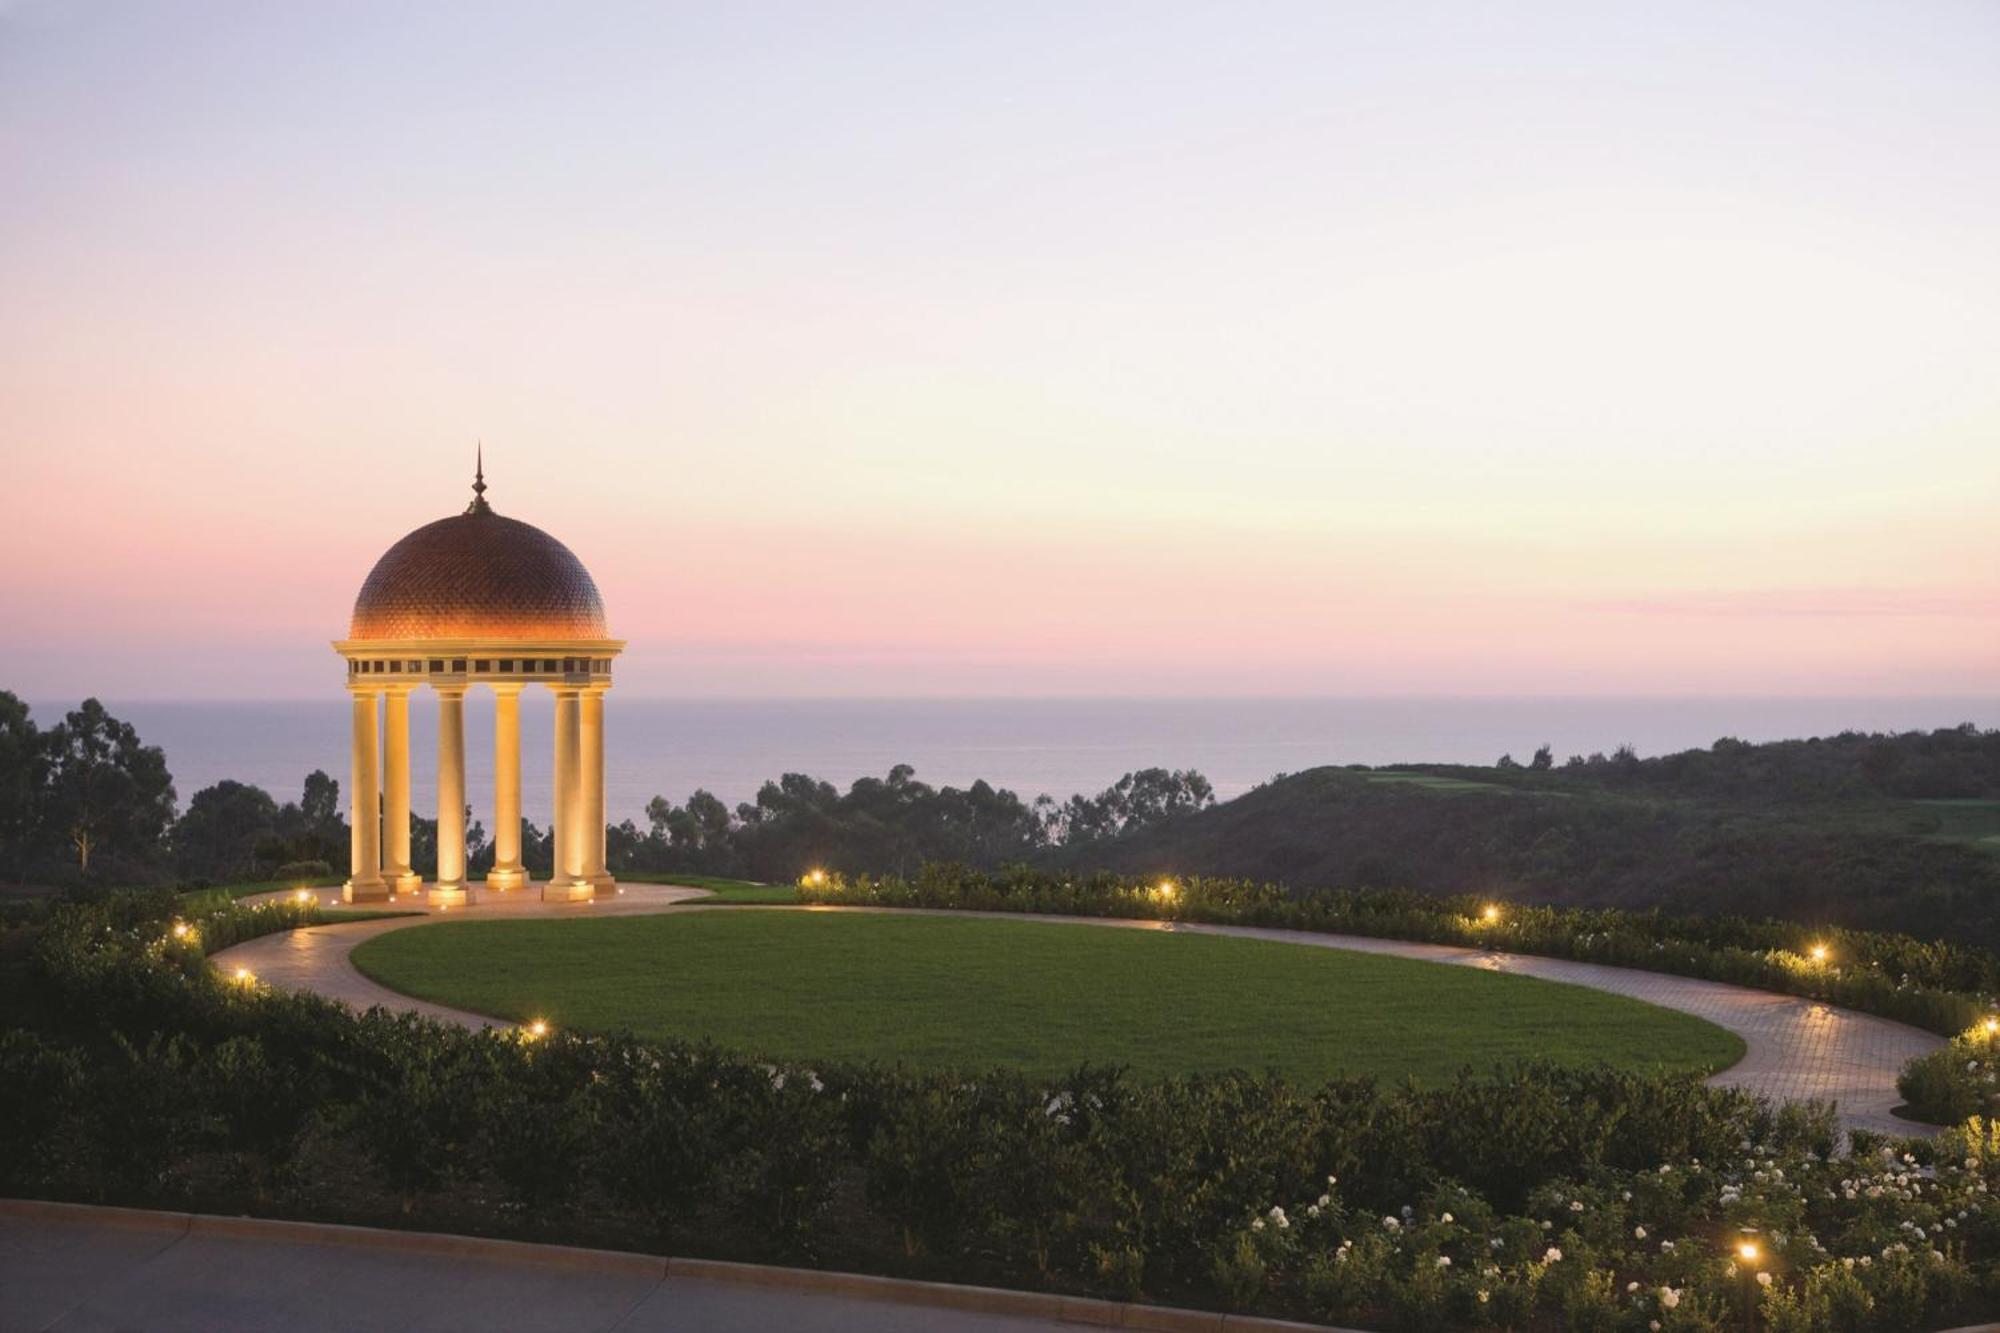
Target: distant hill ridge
{"points": [[1899, 832]]}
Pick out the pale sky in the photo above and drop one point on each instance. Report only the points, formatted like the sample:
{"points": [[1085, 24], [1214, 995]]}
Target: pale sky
{"points": [[997, 349]]}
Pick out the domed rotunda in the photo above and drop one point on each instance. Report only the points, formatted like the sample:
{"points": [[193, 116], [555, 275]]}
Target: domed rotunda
{"points": [[476, 599]]}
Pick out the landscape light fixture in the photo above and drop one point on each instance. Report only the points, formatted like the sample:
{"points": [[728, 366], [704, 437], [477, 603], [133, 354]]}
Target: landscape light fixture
{"points": [[1819, 953], [1165, 891], [536, 1030], [304, 895], [244, 976], [1992, 1026], [1491, 916], [1747, 1251]]}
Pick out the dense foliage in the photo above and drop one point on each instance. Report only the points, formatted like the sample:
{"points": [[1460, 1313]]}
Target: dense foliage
{"points": [[85, 794], [1532, 1197], [87, 802], [1944, 987], [893, 824]]}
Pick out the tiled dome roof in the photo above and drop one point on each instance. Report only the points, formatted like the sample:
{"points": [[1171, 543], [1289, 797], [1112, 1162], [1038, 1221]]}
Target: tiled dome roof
{"points": [[478, 575]]}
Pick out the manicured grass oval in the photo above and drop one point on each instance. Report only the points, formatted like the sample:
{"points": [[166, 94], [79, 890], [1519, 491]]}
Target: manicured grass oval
{"points": [[971, 992]]}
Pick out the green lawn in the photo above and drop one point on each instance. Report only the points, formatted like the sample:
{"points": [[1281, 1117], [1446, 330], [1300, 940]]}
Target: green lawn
{"points": [[968, 992], [739, 892], [1966, 821], [1445, 786]]}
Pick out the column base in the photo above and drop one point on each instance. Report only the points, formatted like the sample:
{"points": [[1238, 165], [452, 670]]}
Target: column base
{"points": [[571, 891], [365, 891], [603, 886], [408, 882], [450, 895], [502, 878]]}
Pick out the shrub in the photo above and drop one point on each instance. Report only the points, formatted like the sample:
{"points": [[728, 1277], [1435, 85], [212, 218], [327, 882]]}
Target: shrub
{"points": [[41, 1086], [539, 1119], [1961, 1080]]}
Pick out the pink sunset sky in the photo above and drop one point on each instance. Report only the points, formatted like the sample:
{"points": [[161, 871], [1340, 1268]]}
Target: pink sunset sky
{"points": [[1016, 350]]}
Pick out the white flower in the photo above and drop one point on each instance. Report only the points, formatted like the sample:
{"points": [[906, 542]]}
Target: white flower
{"points": [[1444, 1261], [1576, 1205], [1666, 1247], [1482, 1298], [1638, 1233], [1256, 1224], [1552, 1255], [1631, 1287], [1277, 1216], [1445, 1217], [1392, 1223], [1763, 1279], [1669, 1297]]}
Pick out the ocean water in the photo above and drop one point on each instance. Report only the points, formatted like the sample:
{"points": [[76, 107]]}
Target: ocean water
{"points": [[1059, 746]]}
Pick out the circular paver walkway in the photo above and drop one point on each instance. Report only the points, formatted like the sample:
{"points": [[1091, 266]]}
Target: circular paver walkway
{"points": [[1794, 1048]]}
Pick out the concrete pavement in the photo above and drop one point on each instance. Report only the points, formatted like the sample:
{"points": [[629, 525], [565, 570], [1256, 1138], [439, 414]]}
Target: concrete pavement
{"points": [[72, 1269]]}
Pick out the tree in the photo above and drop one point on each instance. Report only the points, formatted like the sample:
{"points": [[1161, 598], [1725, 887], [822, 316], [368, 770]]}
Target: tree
{"points": [[320, 802], [23, 769], [107, 793], [225, 826], [1544, 760], [712, 817], [312, 828]]}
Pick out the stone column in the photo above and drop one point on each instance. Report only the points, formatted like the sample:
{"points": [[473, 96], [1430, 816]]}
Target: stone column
{"points": [[396, 792], [364, 880], [507, 872], [566, 883], [450, 888], [591, 735]]}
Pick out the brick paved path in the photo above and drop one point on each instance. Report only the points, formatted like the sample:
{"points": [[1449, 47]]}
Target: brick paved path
{"points": [[1795, 1048]]}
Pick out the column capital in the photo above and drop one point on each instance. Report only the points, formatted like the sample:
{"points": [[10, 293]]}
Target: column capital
{"points": [[450, 690]]}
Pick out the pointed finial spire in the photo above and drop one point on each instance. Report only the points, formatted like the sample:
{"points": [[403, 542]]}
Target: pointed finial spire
{"points": [[479, 505]]}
